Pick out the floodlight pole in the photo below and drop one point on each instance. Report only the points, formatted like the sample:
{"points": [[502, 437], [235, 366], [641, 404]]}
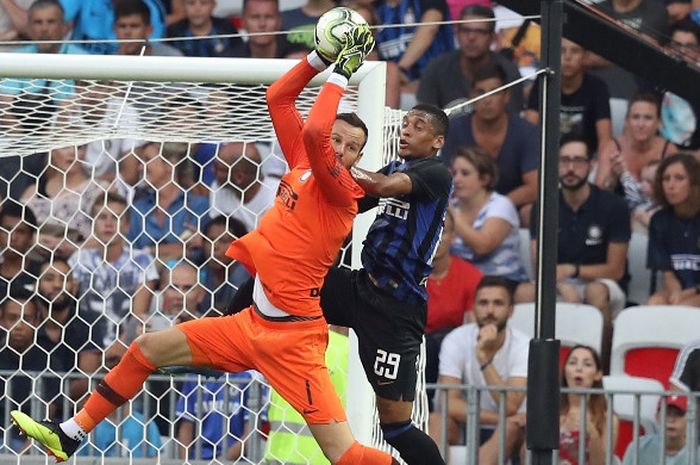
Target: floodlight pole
{"points": [[543, 363]]}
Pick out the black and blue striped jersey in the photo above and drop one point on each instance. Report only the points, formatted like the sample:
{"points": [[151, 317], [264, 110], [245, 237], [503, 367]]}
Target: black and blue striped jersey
{"points": [[400, 245]]}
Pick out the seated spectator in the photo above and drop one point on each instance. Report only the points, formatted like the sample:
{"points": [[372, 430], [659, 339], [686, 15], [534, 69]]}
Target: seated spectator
{"points": [[63, 198], [674, 442], [583, 370], [674, 247], [113, 280], [486, 353], [594, 234], [225, 410], [200, 22], [686, 372], [645, 206], [585, 102], [94, 20], [76, 339], [18, 228], [164, 218], [638, 145], [240, 190], [450, 288], [180, 299], [40, 98], [411, 47], [301, 22], [132, 22], [510, 141], [448, 78], [221, 278], [24, 352], [13, 21], [486, 222], [258, 17]]}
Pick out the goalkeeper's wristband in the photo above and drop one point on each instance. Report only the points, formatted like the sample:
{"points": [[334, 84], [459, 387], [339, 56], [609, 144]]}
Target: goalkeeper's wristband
{"points": [[316, 60], [338, 78]]}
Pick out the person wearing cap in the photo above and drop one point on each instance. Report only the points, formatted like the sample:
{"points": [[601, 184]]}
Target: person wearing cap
{"points": [[675, 430]]}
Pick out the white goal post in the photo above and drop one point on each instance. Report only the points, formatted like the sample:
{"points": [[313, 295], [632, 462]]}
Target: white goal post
{"points": [[206, 82]]}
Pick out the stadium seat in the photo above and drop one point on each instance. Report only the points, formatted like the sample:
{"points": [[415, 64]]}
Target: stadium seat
{"points": [[640, 275], [624, 407], [618, 111], [575, 324], [646, 339], [525, 252]]}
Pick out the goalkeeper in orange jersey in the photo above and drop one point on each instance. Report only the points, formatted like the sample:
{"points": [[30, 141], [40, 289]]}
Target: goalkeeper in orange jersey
{"points": [[283, 334]]}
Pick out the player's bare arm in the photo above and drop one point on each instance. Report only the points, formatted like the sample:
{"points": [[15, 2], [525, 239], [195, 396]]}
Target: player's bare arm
{"points": [[381, 185]]}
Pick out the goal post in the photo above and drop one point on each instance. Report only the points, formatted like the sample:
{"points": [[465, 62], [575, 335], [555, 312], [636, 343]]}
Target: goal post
{"points": [[207, 90]]}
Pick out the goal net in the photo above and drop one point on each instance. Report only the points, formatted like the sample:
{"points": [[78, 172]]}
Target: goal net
{"points": [[188, 143]]}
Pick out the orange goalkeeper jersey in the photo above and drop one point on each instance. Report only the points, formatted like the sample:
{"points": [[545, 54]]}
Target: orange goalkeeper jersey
{"points": [[298, 239]]}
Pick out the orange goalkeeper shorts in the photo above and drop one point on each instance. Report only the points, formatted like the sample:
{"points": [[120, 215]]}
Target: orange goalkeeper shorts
{"points": [[290, 354]]}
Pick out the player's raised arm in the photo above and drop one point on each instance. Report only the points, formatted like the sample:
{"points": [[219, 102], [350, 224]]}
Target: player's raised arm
{"points": [[281, 97], [334, 143]]}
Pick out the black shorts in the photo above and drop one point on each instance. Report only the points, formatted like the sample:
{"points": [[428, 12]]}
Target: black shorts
{"points": [[389, 331]]}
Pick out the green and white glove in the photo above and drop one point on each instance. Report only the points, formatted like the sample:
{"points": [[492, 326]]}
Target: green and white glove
{"points": [[355, 51]]}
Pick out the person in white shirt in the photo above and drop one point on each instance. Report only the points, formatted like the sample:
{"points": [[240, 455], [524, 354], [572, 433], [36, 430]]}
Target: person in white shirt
{"points": [[485, 353], [241, 190]]}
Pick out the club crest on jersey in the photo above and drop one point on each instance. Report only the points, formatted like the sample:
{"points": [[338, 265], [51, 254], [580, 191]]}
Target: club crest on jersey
{"points": [[305, 177], [394, 207], [287, 195]]}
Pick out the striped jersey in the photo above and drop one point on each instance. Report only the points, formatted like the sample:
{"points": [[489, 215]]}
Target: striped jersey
{"points": [[400, 245]]}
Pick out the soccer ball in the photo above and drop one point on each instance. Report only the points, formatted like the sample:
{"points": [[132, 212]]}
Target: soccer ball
{"points": [[333, 30]]}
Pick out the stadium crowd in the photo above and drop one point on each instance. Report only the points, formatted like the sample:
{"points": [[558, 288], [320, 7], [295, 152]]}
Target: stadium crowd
{"points": [[102, 241]]}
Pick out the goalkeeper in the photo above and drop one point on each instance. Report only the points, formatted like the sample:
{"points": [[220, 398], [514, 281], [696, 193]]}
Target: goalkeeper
{"points": [[283, 334]]}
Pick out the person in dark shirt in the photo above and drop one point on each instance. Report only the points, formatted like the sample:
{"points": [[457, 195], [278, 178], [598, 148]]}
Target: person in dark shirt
{"points": [[18, 229], [686, 371], [258, 17], [200, 22]]}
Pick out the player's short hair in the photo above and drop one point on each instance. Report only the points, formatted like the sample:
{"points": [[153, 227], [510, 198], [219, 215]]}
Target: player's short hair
{"points": [[39, 4], [132, 7], [355, 121], [439, 120], [13, 209], [489, 71], [692, 168], [497, 281], [480, 11], [571, 138], [234, 226], [484, 163], [107, 198]]}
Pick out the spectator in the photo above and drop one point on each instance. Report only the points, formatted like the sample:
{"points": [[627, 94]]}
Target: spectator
{"points": [[165, 217], [448, 78], [40, 98], [686, 372], [13, 20], [585, 102], [132, 22], [180, 298], [76, 339], [486, 223], [486, 353], [301, 22], [240, 189], [95, 19], [25, 352], [594, 233], [451, 287], [225, 410], [113, 280], [639, 144], [17, 239], [260, 16], [199, 23], [646, 206], [583, 370], [674, 247], [412, 47], [676, 451], [62, 198], [508, 139], [221, 276], [289, 441]]}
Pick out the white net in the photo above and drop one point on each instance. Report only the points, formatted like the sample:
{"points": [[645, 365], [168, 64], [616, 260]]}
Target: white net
{"points": [[119, 199]]}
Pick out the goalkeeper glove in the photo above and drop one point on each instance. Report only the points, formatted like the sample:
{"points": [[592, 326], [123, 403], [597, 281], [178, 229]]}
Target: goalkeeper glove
{"points": [[354, 52]]}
